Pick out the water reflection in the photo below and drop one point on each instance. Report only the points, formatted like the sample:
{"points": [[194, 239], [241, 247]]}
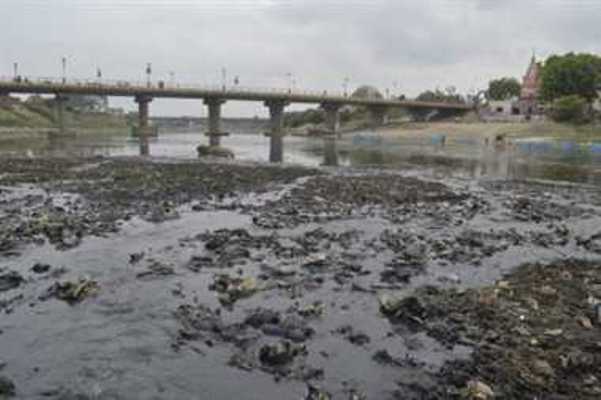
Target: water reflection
{"points": [[438, 154]]}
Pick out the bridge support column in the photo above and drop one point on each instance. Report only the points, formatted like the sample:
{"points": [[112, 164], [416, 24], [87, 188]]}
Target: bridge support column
{"points": [[59, 104], [330, 154], [332, 111], [214, 133], [378, 115], [276, 131], [143, 129]]}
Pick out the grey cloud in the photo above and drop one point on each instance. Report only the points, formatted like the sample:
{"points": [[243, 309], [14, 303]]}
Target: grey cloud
{"points": [[423, 43]]}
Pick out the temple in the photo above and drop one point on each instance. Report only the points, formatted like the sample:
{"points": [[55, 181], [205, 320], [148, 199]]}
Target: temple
{"points": [[528, 103]]}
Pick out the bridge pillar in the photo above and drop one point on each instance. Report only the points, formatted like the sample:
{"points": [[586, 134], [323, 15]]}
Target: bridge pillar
{"points": [[143, 129], [276, 131], [59, 104], [214, 133], [332, 111], [378, 115], [330, 154]]}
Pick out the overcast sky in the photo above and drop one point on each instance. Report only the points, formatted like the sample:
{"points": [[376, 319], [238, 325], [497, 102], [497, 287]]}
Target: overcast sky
{"points": [[422, 44]]}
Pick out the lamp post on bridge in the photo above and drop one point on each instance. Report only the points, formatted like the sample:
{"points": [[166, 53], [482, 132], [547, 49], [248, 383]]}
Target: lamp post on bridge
{"points": [[64, 65], [16, 70], [223, 78], [289, 76], [148, 73]]}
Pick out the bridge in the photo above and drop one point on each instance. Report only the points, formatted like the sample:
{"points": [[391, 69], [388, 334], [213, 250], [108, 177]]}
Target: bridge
{"points": [[276, 100]]}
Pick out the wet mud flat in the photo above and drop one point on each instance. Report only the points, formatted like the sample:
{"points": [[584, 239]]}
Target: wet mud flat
{"points": [[138, 279]]}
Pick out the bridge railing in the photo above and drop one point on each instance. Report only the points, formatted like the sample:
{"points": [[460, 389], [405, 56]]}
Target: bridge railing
{"points": [[159, 85]]}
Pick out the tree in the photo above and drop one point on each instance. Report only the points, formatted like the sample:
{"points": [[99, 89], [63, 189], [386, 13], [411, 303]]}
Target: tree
{"points": [[439, 96], [572, 108], [571, 74], [503, 88]]}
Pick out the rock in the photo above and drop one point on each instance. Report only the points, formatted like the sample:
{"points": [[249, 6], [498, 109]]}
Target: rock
{"points": [[10, 280], [312, 311], [548, 290], [231, 289], [356, 338], [388, 304], [156, 269], [542, 367], [532, 303], [40, 268], [451, 278], [503, 285], [214, 151], [72, 292], [7, 388], [135, 258], [409, 310], [280, 353], [263, 316], [292, 327], [553, 332], [585, 322], [477, 390], [314, 393]]}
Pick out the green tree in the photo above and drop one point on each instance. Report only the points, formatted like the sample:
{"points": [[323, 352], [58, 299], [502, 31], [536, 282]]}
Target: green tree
{"points": [[503, 88], [571, 74], [572, 108], [447, 96]]}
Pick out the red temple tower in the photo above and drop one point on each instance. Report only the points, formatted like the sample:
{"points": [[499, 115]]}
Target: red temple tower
{"points": [[530, 90]]}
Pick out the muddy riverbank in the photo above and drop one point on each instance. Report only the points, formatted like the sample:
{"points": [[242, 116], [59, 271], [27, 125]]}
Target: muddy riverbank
{"points": [[127, 278]]}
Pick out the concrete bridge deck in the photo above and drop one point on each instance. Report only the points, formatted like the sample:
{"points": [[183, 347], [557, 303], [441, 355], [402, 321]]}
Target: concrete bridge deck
{"points": [[213, 97], [125, 89]]}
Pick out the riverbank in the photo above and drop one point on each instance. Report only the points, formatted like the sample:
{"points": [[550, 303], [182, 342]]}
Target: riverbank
{"points": [[131, 278], [491, 130], [37, 115]]}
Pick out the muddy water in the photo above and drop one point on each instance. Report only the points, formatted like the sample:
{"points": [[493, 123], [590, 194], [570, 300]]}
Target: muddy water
{"points": [[119, 343], [529, 158]]}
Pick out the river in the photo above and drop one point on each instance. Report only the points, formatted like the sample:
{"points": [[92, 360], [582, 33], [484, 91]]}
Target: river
{"points": [[527, 158], [155, 238]]}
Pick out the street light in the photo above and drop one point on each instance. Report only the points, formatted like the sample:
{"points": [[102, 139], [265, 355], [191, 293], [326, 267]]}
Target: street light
{"points": [[223, 78], [345, 86], [148, 73], [64, 63], [16, 69], [289, 76]]}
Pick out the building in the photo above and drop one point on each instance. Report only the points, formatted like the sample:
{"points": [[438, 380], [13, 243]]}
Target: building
{"points": [[529, 101], [523, 108], [502, 107]]}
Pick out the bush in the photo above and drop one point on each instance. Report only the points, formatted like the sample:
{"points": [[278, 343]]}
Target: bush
{"points": [[572, 108]]}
